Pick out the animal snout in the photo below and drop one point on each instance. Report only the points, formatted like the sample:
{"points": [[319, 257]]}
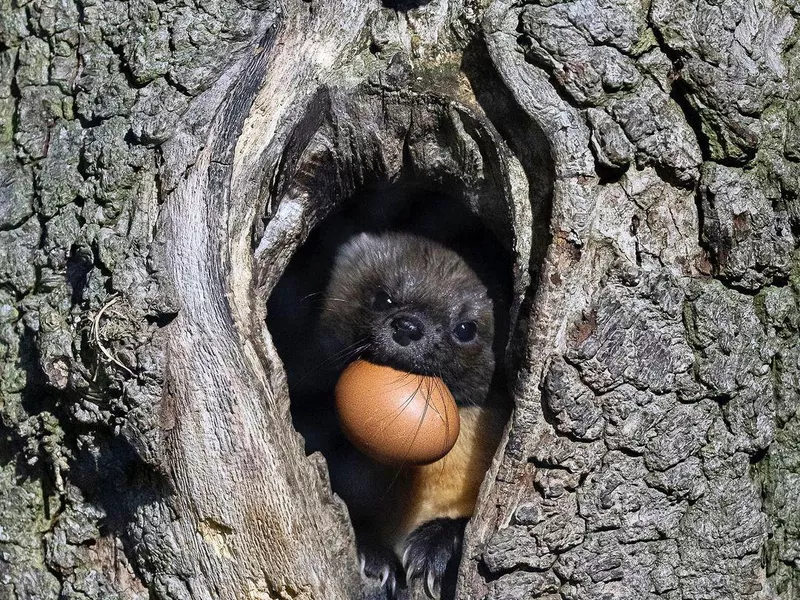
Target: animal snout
{"points": [[406, 329]]}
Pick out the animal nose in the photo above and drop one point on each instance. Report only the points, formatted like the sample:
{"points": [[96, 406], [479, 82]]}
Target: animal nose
{"points": [[406, 330]]}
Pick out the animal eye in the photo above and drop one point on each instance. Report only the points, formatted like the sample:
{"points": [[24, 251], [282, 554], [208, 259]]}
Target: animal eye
{"points": [[466, 331], [382, 301]]}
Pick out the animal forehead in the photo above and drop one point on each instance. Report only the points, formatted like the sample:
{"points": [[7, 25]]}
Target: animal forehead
{"points": [[415, 268], [448, 286], [422, 259], [446, 294]]}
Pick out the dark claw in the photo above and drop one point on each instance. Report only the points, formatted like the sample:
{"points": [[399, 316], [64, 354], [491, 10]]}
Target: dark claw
{"points": [[380, 567], [432, 553]]}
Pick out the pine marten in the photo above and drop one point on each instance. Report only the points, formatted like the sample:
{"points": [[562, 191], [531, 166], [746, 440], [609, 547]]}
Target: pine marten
{"points": [[411, 303]]}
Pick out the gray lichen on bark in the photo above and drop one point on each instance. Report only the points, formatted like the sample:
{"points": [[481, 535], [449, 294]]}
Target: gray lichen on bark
{"points": [[87, 90], [674, 373]]}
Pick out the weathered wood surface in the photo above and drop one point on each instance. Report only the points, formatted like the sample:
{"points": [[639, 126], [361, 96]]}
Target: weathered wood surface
{"points": [[160, 162]]}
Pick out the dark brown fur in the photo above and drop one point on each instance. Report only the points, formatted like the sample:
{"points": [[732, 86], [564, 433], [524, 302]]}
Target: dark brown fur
{"points": [[427, 281], [417, 512]]}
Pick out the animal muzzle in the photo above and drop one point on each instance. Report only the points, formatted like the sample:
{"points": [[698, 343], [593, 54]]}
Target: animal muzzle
{"points": [[407, 330]]}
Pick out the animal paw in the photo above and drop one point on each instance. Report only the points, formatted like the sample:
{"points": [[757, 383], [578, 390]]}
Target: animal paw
{"points": [[432, 553], [379, 564]]}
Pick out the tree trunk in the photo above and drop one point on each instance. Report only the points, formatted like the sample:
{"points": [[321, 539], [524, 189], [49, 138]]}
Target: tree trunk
{"points": [[160, 162]]}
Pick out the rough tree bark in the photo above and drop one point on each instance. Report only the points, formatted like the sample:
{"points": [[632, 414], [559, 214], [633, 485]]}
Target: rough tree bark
{"points": [[161, 161]]}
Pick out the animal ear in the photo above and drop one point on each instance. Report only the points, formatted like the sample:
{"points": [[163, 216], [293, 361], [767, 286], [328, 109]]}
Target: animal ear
{"points": [[363, 238], [356, 245]]}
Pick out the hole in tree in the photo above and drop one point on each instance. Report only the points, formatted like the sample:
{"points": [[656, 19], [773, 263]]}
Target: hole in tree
{"points": [[385, 502], [312, 360], [422, 165]]}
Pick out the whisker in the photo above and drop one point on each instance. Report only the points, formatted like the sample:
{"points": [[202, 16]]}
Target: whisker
{"points": [[312, 294], [346, 353], [405, 405], [443, 389], [421, 421], [343, 355], [328, 309]]}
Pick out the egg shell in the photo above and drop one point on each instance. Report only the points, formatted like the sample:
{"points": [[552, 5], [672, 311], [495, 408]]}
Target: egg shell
{"points": [[396, 417]]}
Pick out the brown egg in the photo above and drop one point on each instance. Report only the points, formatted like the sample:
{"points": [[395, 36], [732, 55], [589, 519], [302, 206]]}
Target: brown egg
{"points": [[396, 417]]}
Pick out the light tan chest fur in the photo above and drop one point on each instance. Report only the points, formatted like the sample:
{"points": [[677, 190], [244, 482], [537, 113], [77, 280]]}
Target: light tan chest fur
{"points": [[449, 487]]}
